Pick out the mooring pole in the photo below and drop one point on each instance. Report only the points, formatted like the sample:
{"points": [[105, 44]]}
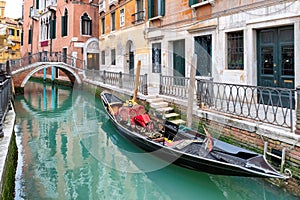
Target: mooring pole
{"points": [[137, 81], [189, 112], [297, 131]]}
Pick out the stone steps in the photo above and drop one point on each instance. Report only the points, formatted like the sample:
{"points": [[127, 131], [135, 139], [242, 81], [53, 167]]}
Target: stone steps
{"points": [[163, 111]]}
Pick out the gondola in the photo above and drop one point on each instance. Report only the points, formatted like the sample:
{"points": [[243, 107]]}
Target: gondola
{"points": [[181, 145]]}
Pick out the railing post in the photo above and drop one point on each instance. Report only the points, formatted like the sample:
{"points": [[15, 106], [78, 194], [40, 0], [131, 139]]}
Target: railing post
{"points": [[145, 90], [297, 131], [120, 80], [104, 76], [160, 83], [1, 112]]}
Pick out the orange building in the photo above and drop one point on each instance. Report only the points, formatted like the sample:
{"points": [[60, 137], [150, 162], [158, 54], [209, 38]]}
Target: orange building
{"points": [[122, 37], [68, 27]]}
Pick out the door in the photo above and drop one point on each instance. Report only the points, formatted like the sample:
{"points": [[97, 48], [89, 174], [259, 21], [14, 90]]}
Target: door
{"points": [[64, 55], [276, 61], [131, 62], [179, 61], [93, 61], [203, 52]]}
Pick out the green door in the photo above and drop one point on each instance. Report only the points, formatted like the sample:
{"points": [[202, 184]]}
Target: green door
{"points": [[203, 52], [276, 59], [179, 61]]}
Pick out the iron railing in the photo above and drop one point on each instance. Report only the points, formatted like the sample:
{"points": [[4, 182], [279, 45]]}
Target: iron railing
{"points": [[174, 86], [46, 57], [138, 17], [265, 104], [119, 79], [5, 97]]}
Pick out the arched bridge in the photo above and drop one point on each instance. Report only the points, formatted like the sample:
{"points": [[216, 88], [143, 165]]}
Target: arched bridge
{"points": [[24, 68]]}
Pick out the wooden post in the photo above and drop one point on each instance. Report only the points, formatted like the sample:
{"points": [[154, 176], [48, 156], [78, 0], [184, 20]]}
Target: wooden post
{"points": [[189, 112], [297, 131], [137, 81]]}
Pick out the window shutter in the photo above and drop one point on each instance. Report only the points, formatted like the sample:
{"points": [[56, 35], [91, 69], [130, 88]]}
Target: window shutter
{"points": [[90, 23], [66, 25], [52, 28], [150, 9], [162, 6], [37, 5], [29, 36], [192, 2], [62, 25]]}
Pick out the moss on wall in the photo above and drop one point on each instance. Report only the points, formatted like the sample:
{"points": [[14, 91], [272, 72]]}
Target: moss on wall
{"points": [[8, 187]]}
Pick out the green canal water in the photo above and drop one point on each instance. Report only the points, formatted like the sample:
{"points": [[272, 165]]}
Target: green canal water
{"points": [[68, 149]]}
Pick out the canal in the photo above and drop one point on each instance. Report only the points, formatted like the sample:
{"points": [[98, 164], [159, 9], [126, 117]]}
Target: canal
{"points": [[68, 149]]}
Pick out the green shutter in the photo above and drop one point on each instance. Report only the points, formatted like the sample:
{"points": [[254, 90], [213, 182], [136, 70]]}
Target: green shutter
{"points": [[162, 6], [66, 25], [29, 36], [37, 5], [91, 24], [52, 28], [63, 26], [192, 2], [150, 9]]}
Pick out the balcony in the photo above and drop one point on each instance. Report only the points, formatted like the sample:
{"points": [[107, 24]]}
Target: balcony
{"points": [[138, 17], [102, 6], [34, 13], [52, 4], [112, 2], [202, 3]]}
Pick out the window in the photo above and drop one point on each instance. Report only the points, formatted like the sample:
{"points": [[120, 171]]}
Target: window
{"points": [[53, 27], [235, 48], [113, 21], [156, 58], [86, 25], [45, 29], [102, 57], [64, 24], [29, 36], [113, 57], [122, 17], [156, 8], [103, 25], [11, 31], [18, 33]]}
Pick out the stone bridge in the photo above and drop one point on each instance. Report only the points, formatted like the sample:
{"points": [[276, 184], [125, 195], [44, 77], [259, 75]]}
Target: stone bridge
{"points": [[21, 70]]}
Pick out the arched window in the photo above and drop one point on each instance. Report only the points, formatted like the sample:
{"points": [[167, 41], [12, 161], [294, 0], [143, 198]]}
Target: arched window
{"points": [[64, 24], [86, 25]]}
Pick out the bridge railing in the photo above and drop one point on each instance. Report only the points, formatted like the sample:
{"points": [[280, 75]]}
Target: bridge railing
{"points": [[119, 79], [46, 57], [5, 97]]}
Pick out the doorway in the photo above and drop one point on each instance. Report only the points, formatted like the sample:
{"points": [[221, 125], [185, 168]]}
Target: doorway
{"points": [[203, 52], [276, 60], [179, 61]]}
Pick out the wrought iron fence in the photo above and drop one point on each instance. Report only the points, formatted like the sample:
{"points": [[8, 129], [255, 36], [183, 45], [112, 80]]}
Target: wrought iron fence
{"points": [[119, 79], [5, 96], [138, 17], [265, 104], [46, 57], [174, 86]]}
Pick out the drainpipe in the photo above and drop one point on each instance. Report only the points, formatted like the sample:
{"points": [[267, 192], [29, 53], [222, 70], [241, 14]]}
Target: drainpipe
{"points": [[297, 131]]}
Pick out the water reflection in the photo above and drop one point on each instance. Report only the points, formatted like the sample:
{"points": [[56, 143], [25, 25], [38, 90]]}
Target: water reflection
{"points": [[69, 150]]}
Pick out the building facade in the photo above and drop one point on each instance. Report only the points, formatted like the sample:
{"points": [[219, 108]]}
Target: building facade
{"points": [[245, 42], [122, 35], [10, 37], [69, 28]]}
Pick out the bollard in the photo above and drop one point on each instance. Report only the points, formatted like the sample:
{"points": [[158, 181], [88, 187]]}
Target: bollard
{"points": [[297, 131]]}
